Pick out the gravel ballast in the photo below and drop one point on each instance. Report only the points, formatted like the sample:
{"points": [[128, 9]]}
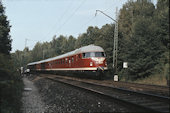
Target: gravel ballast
{"points": [[62, 98]]}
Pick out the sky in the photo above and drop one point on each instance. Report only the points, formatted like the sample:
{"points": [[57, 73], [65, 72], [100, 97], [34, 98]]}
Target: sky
{"points": [[35, 21]]}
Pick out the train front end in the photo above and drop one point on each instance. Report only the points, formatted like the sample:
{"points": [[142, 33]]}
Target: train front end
{"points": [[96, 61]]}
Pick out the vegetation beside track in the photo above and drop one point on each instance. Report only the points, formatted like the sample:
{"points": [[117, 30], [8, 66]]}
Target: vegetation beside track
{"points": [[11, 87], [11, 84], [153, 80]]}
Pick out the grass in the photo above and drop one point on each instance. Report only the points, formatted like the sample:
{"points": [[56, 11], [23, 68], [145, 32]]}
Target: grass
{"points": [[154, 80]]}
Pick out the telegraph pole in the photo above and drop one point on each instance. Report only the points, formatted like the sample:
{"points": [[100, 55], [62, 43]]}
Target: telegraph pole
{"points": [[26, 42], [43, 54], [115, 48], [24, 56]]}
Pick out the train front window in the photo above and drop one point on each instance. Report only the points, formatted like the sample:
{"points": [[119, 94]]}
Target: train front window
{"points": [[100, 54], [93, 54]]}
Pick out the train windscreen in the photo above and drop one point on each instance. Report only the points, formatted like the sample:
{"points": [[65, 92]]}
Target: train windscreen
{"points": [[93, 54]]}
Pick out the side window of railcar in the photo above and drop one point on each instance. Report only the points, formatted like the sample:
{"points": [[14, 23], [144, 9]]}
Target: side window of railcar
{"points": [[83, 55], [69, 60], [66, 60], [79, 56], [72, 59], [76, 57], [63, 61]]}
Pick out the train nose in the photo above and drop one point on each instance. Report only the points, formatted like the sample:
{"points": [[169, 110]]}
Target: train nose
{"points": [[98, 60], [100, 68]]}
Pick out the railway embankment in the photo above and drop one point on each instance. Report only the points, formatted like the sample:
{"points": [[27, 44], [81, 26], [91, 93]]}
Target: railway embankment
{"points": [[49, 94], [57, 97]]}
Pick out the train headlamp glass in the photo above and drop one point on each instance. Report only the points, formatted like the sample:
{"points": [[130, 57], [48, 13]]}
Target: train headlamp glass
{"points": [[91, 63]]}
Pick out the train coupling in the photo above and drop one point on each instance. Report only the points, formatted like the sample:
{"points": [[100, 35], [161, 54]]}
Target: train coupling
{"points": [[100, 68]]}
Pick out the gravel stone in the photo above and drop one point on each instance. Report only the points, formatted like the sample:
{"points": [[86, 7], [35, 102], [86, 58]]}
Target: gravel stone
{"points": [[61, 98]]}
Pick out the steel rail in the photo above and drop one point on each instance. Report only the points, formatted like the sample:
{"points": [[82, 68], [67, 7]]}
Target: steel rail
{"points": [[163, 98], [126, 96], [150, 85]]}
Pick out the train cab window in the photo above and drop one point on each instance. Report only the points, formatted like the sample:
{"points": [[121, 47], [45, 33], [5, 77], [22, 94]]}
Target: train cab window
{"points": [[100, 54], [93, 54], [86, 55], [63, 61]]}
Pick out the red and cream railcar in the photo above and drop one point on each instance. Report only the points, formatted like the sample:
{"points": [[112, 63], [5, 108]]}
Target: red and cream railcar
{"points": [[89, 60]]}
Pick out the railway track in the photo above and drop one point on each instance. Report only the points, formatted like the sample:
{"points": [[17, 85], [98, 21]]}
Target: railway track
{"points": [[139, 101], [154, 89]]}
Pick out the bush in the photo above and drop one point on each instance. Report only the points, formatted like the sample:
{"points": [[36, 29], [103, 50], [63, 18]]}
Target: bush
{"points": [[11, 87]]}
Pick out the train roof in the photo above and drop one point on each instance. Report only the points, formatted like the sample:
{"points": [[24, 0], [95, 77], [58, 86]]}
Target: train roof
{"points": [[89, 48]]}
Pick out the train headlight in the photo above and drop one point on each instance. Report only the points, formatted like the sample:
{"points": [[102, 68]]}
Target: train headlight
{"points": [[98, 60], [91, 63]]}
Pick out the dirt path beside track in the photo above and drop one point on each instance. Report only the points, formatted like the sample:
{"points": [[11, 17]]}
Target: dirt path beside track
{"points": [[32, 102]]}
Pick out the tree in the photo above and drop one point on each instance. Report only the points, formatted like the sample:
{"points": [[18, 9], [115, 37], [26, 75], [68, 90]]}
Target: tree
{"points": [[87, 38], [162, 21], [71, 43], [37, 52], [10, 84], [105, 38], [139, 45], [145, 49], [81, 41], [130, 12], [5, 40]]}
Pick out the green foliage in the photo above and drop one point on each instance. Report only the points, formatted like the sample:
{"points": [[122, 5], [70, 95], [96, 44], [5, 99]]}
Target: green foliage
{"points": [[10, 86], [10, 83], [5, 41], [162, 21], [144, 49], [71, 43], [141, 45], [105, 39]]}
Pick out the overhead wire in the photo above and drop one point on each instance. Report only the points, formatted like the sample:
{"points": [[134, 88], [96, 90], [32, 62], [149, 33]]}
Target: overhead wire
{"points": [[68, 19], [70, 16], [54, 25], [61, 17], [87, 22], [96, 19]]}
